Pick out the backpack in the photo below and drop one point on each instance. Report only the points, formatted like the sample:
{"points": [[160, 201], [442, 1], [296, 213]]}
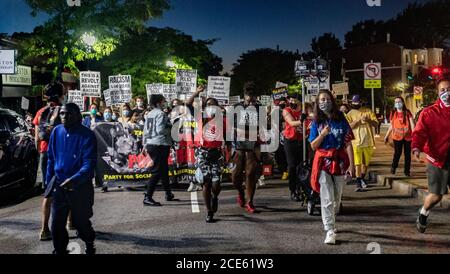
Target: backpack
{"points": [[49, 119]]}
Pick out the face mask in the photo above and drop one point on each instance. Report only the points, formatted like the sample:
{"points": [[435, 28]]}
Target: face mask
{"points": [[293, 105], [356, 106], [107, 116], [140, 104], [326, 106], [126, 113], [399, 106], [114, 117], [445, 98], [210, 111], [94, 112]]}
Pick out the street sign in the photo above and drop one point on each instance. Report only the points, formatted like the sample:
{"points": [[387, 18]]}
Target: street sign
{"points": [[341, 89], [21, 78], [372, 75], [7, 61]]}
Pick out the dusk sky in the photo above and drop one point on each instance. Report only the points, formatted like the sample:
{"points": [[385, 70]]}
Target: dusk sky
{"points": [[243, 25]]}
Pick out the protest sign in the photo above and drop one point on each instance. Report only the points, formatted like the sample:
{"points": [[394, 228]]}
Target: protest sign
{"points": [[234, 100], [279, 93], [219, 88], [74, 96], [186, 81], [170, 92], [155, 88], [90, 84], [265, 100], [25, 103]]}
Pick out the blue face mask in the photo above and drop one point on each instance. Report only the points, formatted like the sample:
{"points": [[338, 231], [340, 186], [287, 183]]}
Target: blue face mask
{"points": [[114, 117], [107, 116], [94, 112], [126, 113], [399, 106]]}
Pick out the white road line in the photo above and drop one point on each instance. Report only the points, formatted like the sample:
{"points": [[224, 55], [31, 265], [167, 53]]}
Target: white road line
{"points": [[194, 202]]}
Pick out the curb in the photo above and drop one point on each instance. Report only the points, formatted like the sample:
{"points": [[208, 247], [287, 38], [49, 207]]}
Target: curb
{"points": [[408, 189]]}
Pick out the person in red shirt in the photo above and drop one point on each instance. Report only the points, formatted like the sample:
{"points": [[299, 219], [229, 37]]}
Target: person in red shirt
{"points": [[400, 130], [432, 136], [293, 134], [47, 114]]}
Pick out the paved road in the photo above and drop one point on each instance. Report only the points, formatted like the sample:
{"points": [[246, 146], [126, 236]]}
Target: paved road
{"points": [[123, 225]]}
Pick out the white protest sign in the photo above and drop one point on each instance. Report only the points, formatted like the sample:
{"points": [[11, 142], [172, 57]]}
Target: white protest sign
{"points": [[76, 98], [219, 88], [153, 89], [90, 84], [281, 85], [170, 92], [234, 100], [186, 81], [120, 89], [265, 100], [107, 96], [7, 62], [25, 103]]}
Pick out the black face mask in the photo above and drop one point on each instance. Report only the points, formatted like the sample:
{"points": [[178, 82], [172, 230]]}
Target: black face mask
{"points": [[282, 106], [356, 106], [294, 106]]}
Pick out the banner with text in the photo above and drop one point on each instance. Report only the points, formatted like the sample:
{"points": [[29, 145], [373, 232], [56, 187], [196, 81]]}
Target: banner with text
{"points": [[186, 81], [90, 84], [219, 88]]}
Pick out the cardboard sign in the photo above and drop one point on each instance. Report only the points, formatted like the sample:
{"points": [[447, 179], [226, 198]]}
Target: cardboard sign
{"points": [[186, 81], [281, 85], [90, 84], [219, 88], [341, 89], [25, 103], [76, 98]]}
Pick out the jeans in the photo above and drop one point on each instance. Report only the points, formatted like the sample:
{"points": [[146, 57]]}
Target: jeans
{"points": [[331, 188], [398, 147]]}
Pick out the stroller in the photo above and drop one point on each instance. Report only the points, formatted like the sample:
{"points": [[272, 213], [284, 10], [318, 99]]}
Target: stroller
{"points": [[307, 195]]}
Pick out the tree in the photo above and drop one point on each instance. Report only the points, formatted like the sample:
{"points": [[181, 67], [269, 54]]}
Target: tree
{"points": [[59, 37], [366, 33], [324, 44], [144, 56], [265, 67]]}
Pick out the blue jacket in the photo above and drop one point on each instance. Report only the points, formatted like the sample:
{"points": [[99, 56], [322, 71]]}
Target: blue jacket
{"points": [[72, 154], [87, 121]]}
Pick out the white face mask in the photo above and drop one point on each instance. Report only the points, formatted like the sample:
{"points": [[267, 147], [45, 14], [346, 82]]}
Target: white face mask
{"points": [[211, 111], [140, 104], [445, 98]]}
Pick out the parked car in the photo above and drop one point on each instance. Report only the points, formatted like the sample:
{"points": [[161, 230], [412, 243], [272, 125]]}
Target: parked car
{"points": [[18, 155]]}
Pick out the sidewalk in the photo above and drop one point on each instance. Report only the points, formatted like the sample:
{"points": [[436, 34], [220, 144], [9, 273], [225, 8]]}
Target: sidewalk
{"points": [[415, 186]]}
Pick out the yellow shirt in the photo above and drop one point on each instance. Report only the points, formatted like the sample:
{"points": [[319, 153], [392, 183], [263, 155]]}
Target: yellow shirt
{"points": [[364, 131]]}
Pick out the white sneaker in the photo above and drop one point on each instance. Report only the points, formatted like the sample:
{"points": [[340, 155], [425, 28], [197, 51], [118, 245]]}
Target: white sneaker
{"points": [[261, 182], [191, 187], [335, 230], [331, 238]]}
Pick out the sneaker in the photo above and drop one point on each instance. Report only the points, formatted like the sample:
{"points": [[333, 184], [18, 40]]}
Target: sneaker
{"points": [[295, 197], [408, 174], [104, 189], [330, 238], [261, 182], [335, 230], [250, 208], [191, 187], [148, 201], [421, 223], [45, 235], [285, 176], [363, 184], [198, 188], [170, 197], [210, 217], [359, 187], [393, 171], [241, 200]]}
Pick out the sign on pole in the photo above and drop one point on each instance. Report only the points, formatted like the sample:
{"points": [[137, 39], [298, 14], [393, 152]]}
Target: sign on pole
{"points": [[234, 100], [170, 92], [7, 61], [372, 75], [25, 103], [265, 100], [76, 98], [153, 89], [186, 81], [90, 84], [279, 93], [219, 88], [120, 89], [21, 78]]}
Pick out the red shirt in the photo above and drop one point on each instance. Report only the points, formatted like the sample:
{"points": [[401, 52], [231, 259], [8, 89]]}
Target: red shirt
{"points": [[211, 136], [432, 134], [290, 132], [43, 145]]}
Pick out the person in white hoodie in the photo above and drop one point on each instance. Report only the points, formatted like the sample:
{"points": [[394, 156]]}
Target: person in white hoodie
{"points": [[157, 143]]}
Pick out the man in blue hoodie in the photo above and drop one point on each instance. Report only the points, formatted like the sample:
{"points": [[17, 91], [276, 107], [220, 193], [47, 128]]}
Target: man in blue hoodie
{"points": [[72, 155]]}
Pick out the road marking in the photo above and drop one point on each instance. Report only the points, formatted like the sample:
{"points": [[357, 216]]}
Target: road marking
{"points": [[194, 202]]}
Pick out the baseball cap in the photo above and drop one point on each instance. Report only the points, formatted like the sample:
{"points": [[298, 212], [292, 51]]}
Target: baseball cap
{"points": [[356, 99]]}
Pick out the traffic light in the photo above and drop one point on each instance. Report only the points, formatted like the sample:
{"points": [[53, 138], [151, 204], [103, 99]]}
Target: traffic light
{"points": [[436, 73], [409, 75]]}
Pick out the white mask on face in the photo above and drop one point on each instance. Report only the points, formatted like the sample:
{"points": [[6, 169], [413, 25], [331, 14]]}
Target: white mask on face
{"points": [[210, 111], [445, 98]]}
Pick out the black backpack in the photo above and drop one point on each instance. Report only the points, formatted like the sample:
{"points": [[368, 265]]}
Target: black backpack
{"points": [[49, 119]]}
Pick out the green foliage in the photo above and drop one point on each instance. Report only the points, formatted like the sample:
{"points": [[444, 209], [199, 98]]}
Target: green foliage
{"points": [[59, 38], [144, 56]]}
